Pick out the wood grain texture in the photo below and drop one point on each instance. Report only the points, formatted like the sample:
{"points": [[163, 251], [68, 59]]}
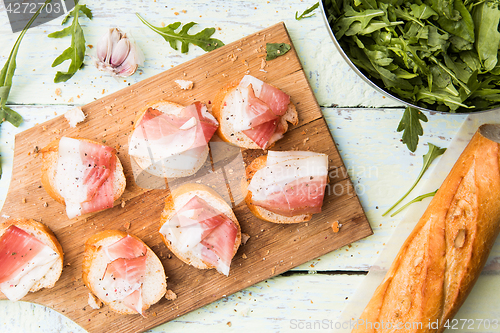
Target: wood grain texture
{"points": [[271, 250]]}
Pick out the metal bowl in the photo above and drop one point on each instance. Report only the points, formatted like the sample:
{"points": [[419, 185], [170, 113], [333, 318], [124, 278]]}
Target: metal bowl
{"points": [[378, 84]]}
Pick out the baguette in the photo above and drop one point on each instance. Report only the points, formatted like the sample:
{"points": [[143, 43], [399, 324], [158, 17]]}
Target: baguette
{"points": [[95, 262], [442, 258], [47, 237], [224, 113], [50, 156], [175, 201]]}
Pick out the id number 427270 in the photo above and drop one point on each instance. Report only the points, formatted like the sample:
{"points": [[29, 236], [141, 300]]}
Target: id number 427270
{"points": [[32, 7], [472, 324]]}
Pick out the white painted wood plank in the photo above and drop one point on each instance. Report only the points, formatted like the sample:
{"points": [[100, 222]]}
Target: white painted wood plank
{"points": [[270, 306], [281, 304], [325, 69]]}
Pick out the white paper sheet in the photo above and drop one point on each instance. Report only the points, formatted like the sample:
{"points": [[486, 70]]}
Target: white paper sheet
{"points": [[377, 272]]}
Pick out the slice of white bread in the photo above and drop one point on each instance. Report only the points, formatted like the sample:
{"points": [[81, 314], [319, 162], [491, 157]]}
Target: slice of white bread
{"points": [[226, 130], [50, 155], [46, 236], [95, 262], [177, 199], [262, 213], [159, 169]]}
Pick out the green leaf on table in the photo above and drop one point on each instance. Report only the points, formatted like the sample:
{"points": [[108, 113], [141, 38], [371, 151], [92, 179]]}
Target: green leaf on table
{"points": [[6, 75], [411, 127], [417, 199], [201, 39], [432, 154], [275, 50], [76, 52], [306, 12]]}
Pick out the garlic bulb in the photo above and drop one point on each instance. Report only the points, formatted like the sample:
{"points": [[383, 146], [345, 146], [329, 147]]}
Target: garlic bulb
{"points": [[118, 54]]}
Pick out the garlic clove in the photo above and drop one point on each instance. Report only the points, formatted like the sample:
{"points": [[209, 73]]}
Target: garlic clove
{"points": [[102, 47], [120, 52], [114, 36], [128, 67]]}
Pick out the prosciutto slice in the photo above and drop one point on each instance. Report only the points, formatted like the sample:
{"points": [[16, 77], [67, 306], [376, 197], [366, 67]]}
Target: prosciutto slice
{"points": [[257, 109], [291, 183], [203, 231], [124, 274], [172, 140], [85, 176], [23, 261]]}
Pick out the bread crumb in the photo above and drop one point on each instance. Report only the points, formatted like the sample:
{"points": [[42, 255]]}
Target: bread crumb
{"points": [[123, 205], [304, 141], [58, 91], [45, 205], [244, 238], [232, 57], [262, 63], [244, 256], [74, 116], [127, 225], [24, 200], [170, 295], [184, 84], [336, 226], [70, 100], [94, 302], [273, 270], [228, 324]]}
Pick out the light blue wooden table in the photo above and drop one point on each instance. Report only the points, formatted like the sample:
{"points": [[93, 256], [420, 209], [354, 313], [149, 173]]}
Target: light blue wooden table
{"points": [[362, 121]]}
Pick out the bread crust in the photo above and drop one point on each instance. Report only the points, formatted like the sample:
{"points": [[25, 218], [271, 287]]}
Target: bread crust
{"points": [[169, 211], [259, 212], [443, 256], [46, 236], [290, 116], [93, 246], [49, 167]]}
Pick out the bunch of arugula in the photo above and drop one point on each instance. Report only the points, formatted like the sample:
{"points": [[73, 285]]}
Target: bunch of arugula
{"points": [[6, 75], [437, 54]]}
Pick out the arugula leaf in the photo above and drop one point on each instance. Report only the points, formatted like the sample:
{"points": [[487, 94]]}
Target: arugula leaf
{"points": [[76, 52], [275, 50], [306, 12], [432, 154], [417, 199], [6, 75], [411, 127], [487, 18], [201, 39]]}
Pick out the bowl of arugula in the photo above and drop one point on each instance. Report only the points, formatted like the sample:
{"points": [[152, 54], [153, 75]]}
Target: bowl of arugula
{"points": [[432, 55]]}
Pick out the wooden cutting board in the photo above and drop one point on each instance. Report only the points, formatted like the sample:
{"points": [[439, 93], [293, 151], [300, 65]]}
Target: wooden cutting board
{"points": [[272, 248]]}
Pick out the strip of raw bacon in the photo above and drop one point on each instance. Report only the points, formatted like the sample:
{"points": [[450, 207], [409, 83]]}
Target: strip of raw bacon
{"points": [[221, 242], [100, 164], [302, 196], [17, 248], [124, 275], [262, 134], [128, 248]]}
